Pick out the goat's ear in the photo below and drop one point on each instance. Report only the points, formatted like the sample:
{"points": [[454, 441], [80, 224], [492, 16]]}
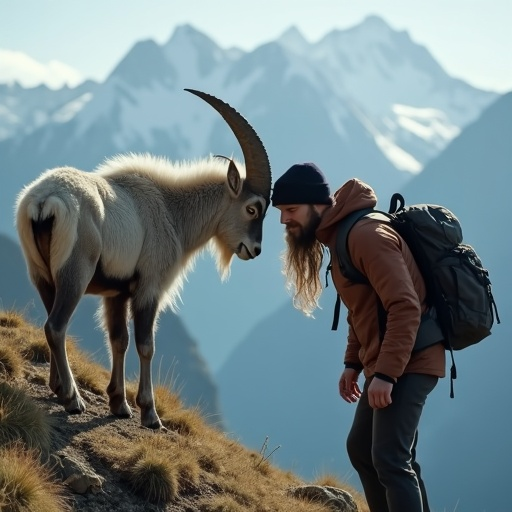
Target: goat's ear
{"points": [[234, 180]]}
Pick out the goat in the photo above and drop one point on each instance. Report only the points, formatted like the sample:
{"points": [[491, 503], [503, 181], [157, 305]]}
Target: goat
{"points": [[130, 232]]}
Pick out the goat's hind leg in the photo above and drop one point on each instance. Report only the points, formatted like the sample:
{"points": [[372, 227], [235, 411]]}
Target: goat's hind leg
{"points": [[47, 293], [143, 322], [115, 318], [70, 285]]}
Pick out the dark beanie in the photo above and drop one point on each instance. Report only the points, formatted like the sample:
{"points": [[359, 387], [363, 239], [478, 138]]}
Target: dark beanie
{"points": [[301, 184]]}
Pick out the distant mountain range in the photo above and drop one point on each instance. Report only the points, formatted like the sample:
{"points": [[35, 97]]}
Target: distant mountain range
{"points": [[24, 110], [281, 381], [367, 101]]}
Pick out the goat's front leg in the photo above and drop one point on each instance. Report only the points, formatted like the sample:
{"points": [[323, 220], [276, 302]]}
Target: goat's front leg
{"points": [[143, 322], [115, 318]]}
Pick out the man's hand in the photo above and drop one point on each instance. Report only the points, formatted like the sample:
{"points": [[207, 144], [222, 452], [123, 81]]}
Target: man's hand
{"points": [[379, 393], [349, 390]]}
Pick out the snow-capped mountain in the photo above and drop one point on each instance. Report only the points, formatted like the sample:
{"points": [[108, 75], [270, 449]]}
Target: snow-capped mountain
{"points": [[23, 110], [407, 102], [366, 101]]}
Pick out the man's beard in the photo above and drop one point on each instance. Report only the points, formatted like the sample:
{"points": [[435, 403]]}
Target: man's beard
{"points": [[302, 260]]}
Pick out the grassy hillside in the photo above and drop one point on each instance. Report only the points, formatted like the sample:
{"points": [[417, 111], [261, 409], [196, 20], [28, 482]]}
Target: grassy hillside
{"points": [[56, 462]]}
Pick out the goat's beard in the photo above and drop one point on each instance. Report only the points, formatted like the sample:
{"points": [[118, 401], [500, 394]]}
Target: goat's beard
{"points": [[302, 260]]}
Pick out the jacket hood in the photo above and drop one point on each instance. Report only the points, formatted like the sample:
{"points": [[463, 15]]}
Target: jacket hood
{"points": [[353, 195]]}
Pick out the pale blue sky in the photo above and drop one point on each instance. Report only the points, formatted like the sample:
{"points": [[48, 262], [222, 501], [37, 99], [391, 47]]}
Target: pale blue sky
{"points": [[470, 38]]}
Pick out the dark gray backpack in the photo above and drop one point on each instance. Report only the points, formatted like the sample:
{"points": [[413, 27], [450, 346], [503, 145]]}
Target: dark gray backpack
{"points": [[458, 286]]}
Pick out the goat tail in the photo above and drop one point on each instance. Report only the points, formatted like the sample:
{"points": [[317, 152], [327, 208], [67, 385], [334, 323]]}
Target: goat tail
{"points": [[55, 215]]}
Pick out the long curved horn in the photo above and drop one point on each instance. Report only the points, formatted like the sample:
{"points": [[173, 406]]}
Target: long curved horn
{"points": [[257, 165]]}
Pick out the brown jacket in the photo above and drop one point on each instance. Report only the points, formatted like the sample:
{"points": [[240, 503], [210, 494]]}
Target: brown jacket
{"points": [[382, 255]]}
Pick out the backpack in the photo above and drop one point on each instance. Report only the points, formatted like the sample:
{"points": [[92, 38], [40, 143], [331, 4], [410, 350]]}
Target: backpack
{"points": [[462, 309]]}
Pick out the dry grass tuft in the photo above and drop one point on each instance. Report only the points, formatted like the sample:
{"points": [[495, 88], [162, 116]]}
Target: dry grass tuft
{"points": [[37, 350], [30, 343], [154, 478], [185, 422], [170, 409], [21, 418], [26, 485], [11, 363], [328, 481], [166, 402], [11, 319], [178, 470]]}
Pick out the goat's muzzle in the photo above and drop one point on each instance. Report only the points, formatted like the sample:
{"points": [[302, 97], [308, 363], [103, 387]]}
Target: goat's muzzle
{"points": [[244, 253]]}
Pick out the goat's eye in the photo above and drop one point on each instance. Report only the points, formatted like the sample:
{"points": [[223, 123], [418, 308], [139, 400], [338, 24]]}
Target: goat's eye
{"points": [[251, 211]]}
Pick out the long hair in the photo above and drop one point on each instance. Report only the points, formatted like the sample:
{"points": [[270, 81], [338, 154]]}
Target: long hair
{"points": [[302, 261]]}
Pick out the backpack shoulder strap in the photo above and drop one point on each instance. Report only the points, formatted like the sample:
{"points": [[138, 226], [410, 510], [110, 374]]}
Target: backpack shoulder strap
{"points": [[397, 203], [345, 225], [345, 262]]}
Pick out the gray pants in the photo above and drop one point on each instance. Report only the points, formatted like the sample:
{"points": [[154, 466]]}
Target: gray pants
{"points": [[382, 446]]}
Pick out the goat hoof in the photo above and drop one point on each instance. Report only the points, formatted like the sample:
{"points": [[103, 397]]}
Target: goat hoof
{"points": [[76, 406], [152, 421], [74, 411], [123, 416], [157, 425], [121, 409]]}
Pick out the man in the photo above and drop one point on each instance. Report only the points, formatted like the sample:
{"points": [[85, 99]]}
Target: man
{"points": [[382, 441]]}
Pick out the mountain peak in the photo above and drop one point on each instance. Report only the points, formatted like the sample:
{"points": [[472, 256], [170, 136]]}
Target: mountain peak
{"points": [[189, 49], [293, 40], [375, 21], [372, 29], [144, 63], [186, 34]]}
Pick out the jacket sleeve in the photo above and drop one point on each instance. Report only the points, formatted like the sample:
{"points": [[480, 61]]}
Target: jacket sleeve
{"points": [[352, 351], [382, 255]]}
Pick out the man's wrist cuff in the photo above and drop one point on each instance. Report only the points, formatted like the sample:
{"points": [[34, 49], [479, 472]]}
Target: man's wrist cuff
{"points": [[385, 377], [358, 367]]}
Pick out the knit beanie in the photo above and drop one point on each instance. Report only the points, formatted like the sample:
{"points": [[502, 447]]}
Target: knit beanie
{"points": [[301, 184]]}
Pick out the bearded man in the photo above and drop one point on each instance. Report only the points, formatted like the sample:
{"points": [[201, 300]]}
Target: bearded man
{"points": [[382, 441]]}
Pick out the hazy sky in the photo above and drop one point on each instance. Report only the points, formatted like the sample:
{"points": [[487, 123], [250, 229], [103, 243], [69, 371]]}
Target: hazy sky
{"points": [[471, 39]]}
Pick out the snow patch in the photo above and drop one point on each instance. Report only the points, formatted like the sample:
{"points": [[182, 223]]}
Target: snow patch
{"points": [[431, 125], [402, 160], [71, 109]]}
